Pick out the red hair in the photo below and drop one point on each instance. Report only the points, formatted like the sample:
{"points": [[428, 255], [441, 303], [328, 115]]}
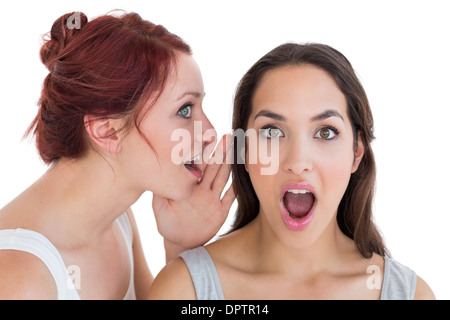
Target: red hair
{"points": [[108, 68]]}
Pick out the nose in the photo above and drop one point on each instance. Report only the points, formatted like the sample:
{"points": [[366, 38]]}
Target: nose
{"points": [[298, 158], [206, 132]]}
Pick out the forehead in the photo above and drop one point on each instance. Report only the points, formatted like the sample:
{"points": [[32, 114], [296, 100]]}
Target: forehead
{"points": [[186, 69], [304, 87], [184, 77], [184, 81]]}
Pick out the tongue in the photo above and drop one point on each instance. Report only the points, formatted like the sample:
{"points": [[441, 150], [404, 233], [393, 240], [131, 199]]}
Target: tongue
{"points": [[299, 204]]}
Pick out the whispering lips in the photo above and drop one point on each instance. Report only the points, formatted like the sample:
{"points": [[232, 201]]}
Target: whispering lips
{"points": [[298, 202], [191, 165]]}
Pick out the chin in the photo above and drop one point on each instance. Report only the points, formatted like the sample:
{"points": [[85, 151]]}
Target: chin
{"points": [[177, 191]]}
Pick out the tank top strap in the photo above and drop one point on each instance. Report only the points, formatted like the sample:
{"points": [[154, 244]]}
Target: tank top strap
{"points": [[399, 281], [38, 245], [204, 274], [127, 231]]}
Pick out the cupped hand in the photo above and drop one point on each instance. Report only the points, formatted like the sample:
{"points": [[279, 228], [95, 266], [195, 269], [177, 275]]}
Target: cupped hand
{"points": [[193, 222]]}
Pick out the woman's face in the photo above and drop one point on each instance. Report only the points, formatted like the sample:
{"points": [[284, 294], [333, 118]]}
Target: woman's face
{"points": [[302, 108], [178, 131]]}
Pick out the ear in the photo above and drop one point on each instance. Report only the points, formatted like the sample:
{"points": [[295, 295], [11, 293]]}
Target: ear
{"points": [[104, 132], [358, 154]]}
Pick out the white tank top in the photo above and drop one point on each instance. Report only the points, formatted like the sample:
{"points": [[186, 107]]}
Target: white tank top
{"points": [[38, 245]]}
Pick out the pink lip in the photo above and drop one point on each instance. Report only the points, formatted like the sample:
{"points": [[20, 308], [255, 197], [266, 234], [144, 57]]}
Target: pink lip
{"points": [[197, 172], [302, 223]]}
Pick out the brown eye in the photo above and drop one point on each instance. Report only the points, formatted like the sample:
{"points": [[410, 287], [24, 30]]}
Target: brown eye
{"points": [[326, 133], [271, 132], [274, 132]]}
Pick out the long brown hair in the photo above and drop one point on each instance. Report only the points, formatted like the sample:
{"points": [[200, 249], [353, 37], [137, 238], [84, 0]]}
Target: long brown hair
{"points": [[354, 215]]}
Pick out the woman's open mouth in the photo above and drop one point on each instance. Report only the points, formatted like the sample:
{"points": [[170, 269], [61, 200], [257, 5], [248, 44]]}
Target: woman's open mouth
{"points": [[193, 168], [297, 205]]}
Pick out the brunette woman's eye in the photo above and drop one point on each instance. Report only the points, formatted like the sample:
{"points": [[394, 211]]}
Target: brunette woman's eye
{"points": [[327, 133], [185, 111], [271, 132]]}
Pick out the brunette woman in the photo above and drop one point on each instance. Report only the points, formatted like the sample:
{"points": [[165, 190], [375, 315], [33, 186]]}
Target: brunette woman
{"points": [[117, 88], [305, 231]]}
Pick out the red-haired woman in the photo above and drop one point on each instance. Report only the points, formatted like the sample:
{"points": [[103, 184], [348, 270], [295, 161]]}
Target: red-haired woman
{"points": [[118, 88]]}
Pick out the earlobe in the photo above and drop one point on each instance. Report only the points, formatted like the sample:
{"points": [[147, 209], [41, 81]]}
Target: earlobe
{"points": [[103, 133], [358, 154]]}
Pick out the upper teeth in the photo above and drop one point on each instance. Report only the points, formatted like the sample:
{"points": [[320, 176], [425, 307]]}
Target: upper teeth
{"points": [[196, 158], [297, 191]]}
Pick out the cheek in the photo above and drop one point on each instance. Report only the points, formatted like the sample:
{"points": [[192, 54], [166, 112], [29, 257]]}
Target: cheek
{"points": [[185, 143], [335, 170], [170, 144], [255, 177], [335, 164], [168, 178], [263, 185]]}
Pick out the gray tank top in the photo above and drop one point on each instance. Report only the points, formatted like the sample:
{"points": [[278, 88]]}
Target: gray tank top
{"points": [[399, 282]]}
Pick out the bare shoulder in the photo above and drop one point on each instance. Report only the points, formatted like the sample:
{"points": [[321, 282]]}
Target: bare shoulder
{"points": [[423, 290], [229, 251], [173, 282], [24, 276]]}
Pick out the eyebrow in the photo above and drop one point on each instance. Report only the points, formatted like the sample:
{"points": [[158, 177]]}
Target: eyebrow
{"points": [[327, 114], [270, 114], [322, 116], [196, 94]]}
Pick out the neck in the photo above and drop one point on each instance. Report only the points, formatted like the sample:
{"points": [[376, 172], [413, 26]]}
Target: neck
{"points": [[83, 198]]}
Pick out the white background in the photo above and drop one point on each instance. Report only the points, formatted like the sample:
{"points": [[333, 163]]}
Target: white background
{"points": [[399, 49]]}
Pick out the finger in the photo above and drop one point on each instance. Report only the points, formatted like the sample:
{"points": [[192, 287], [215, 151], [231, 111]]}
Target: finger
{"points": [[228, 199], [221, 179], [209, 174], [223, 174], [219, 153], [214, 163]]}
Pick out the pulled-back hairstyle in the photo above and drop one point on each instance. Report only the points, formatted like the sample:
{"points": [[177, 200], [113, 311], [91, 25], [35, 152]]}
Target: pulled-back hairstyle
{"points": [[107, 68], [354, 215]]}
